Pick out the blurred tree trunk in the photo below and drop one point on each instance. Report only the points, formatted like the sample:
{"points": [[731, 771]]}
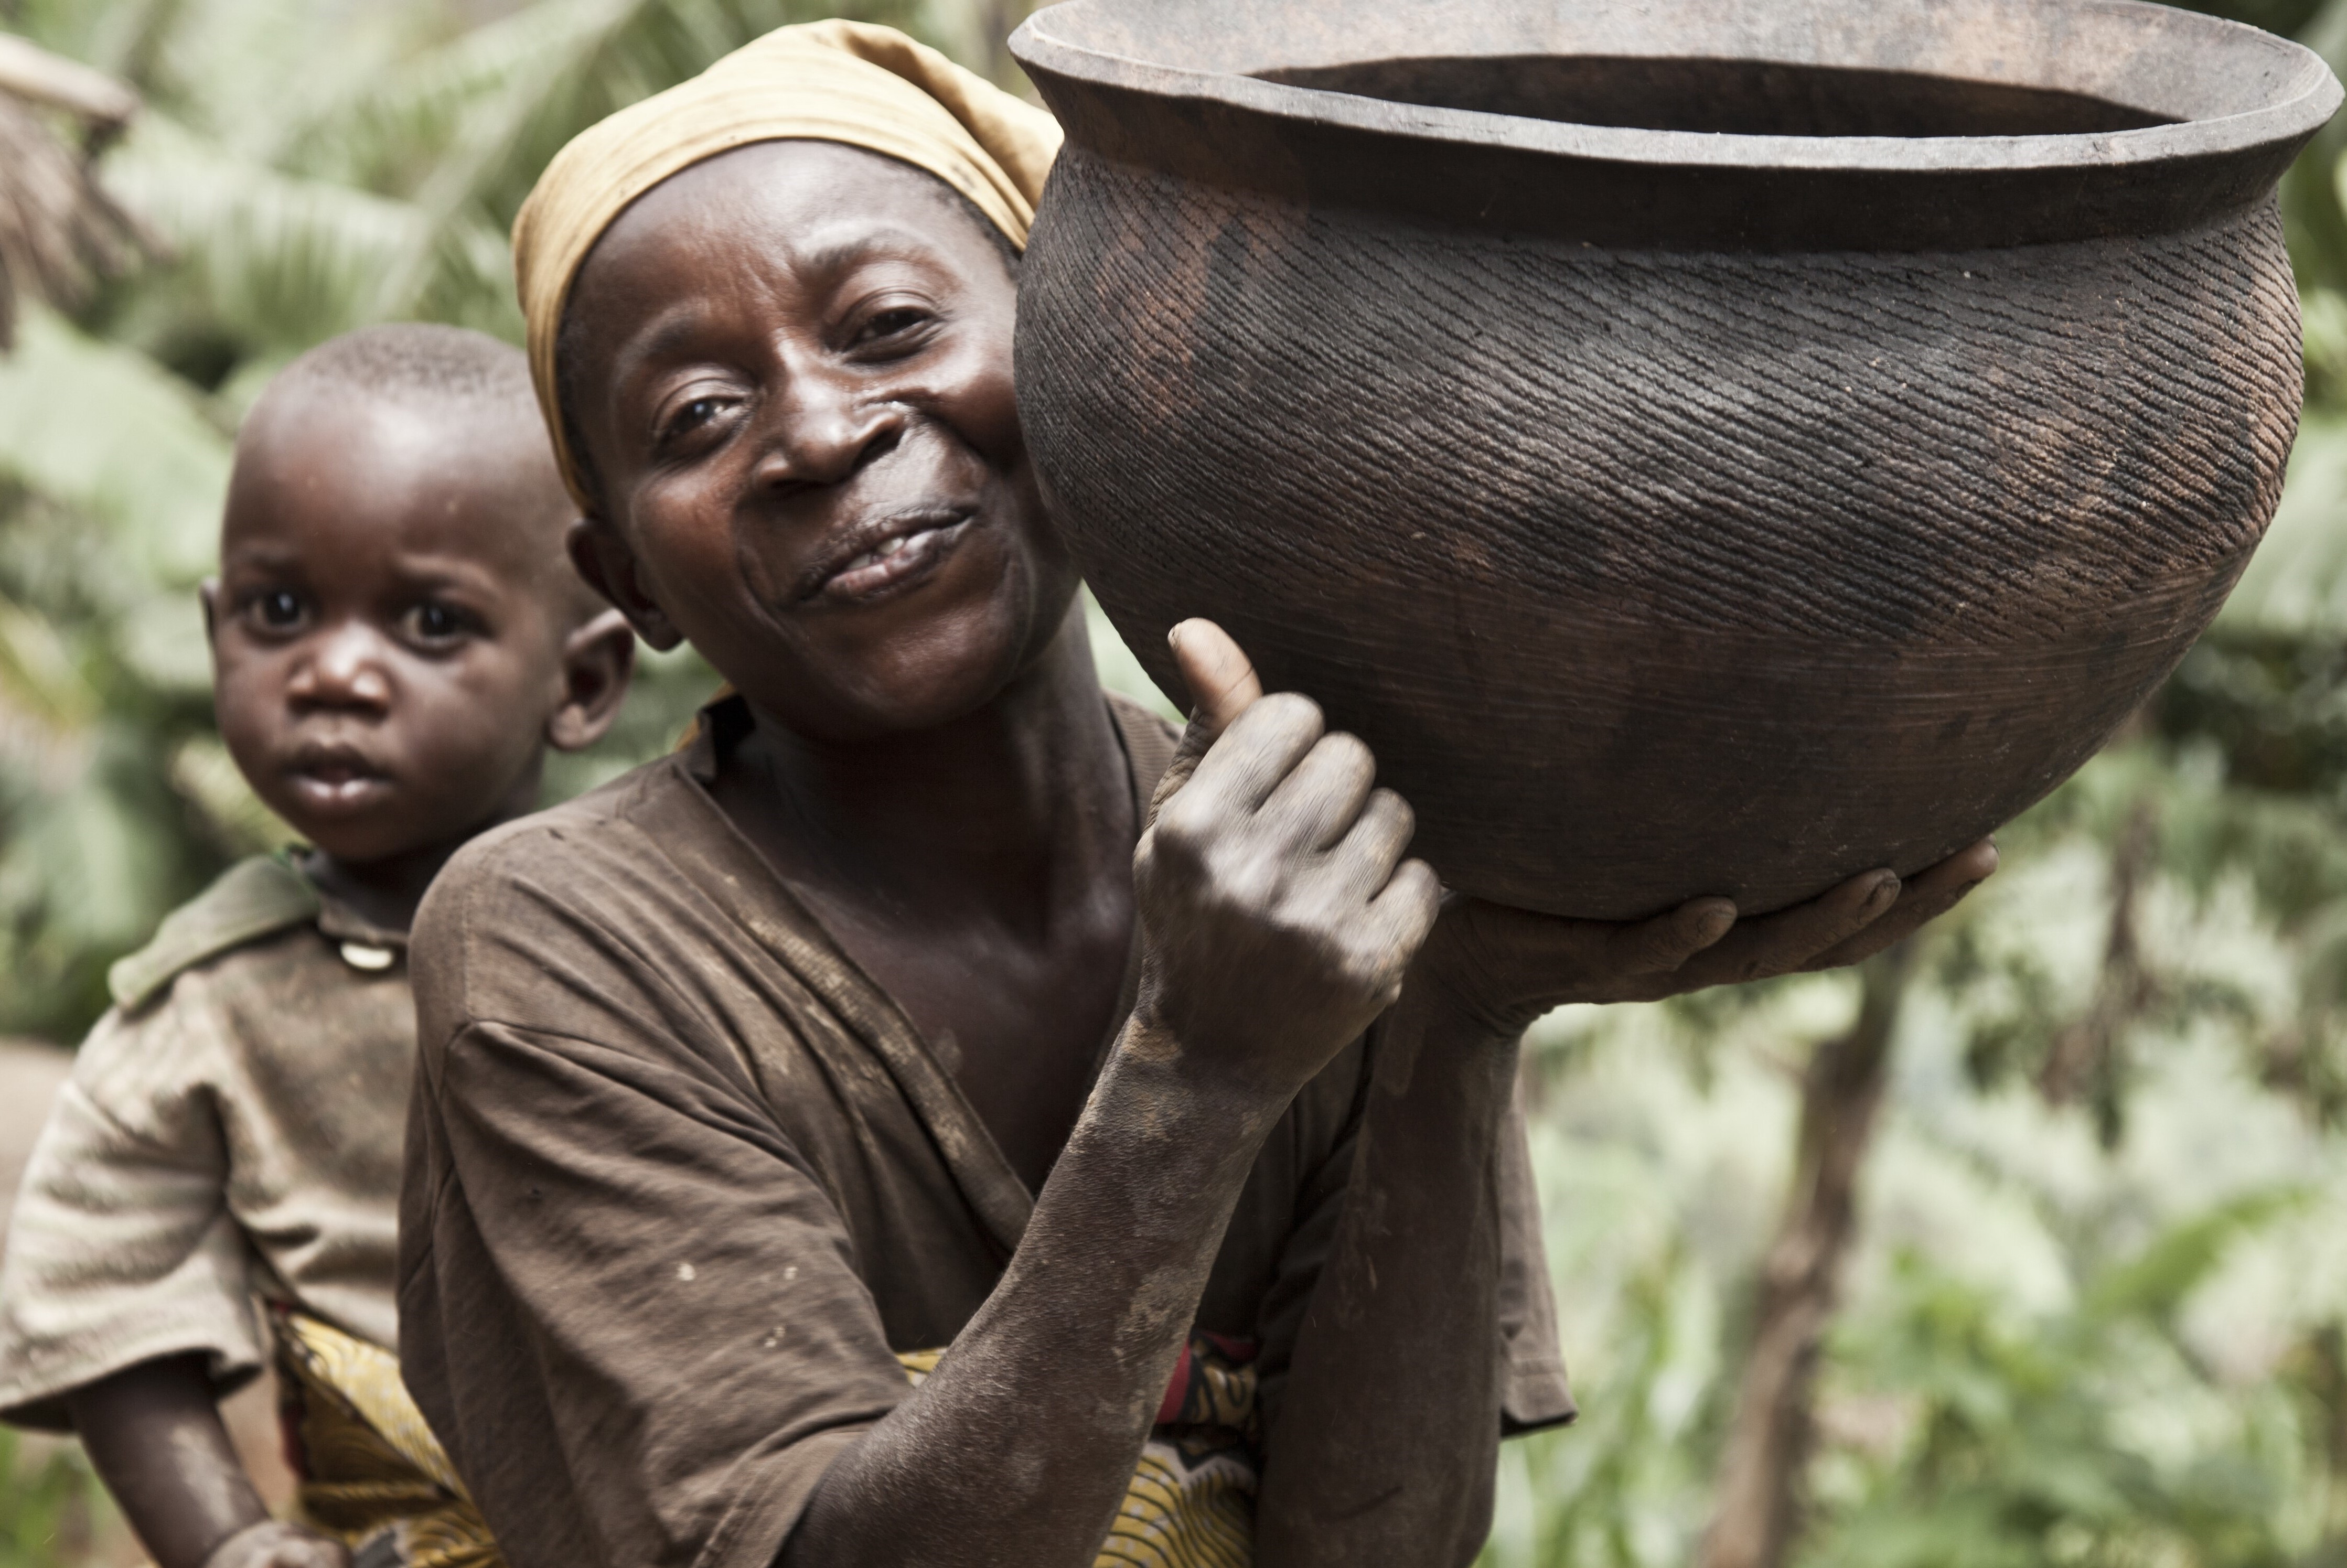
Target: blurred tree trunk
{"points": [[2325, 1377], [1758, 1494], [2083, 1062]]}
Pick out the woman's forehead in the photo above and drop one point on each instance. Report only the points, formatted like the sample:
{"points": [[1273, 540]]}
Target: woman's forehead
{"points": [[810, 199]]}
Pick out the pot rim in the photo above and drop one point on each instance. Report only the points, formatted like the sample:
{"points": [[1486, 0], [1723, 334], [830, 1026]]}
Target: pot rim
{"points": [[2306, 95]]}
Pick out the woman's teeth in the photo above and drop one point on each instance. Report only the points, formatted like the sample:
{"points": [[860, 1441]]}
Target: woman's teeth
{"points": [[875, 556]]}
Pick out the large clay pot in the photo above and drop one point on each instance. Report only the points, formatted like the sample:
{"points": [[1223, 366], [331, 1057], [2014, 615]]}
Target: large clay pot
{"points": [[1702, 445]]}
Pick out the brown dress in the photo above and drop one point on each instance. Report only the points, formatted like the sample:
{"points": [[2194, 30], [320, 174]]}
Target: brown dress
{"points": [[682, 1182]]}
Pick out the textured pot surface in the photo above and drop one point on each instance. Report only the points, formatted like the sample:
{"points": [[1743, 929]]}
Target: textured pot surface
{"points": [[1703, 448]]}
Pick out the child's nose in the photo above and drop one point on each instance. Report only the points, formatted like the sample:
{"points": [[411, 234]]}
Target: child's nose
{"points": [[344, 668]]}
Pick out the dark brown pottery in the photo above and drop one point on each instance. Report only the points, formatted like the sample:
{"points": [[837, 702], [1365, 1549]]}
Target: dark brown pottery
{"points": [[1702, 445]]}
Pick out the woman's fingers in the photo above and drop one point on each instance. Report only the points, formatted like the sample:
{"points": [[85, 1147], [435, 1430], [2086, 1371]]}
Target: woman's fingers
{"points": [[1255, 756], [1398, 919], [1789, 939], [1364, 859], [1926, 897], [1668, 941], [1315, 804]]}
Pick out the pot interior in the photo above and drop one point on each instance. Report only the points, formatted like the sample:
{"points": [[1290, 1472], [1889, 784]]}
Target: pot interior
{"points": [[1728, 97], [1920, 68]]}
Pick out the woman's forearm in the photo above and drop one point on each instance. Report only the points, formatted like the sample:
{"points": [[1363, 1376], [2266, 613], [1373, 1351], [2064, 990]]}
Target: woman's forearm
{"points": [[1386, 1439], [1018, 1448]]}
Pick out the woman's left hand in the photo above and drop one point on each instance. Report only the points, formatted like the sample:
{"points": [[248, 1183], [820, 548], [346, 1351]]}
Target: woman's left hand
{"points": [[1506, 967]]}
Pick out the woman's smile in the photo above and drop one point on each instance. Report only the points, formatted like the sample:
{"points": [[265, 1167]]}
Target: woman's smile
{"points": [[873, 560]]}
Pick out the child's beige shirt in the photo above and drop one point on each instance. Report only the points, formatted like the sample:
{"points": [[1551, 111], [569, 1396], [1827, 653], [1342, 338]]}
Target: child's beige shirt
{"points": [[231, 1134]]}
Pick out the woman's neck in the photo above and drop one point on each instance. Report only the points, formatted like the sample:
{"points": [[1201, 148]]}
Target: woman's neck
{"points": [[1009, 813]]}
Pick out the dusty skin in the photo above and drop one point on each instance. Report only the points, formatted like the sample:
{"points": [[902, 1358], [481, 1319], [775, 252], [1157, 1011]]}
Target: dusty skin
{"points": [[392, 657], [788, 369]]}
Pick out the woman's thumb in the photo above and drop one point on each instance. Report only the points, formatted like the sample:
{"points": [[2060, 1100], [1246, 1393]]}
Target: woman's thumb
{"points": [[1221, 678], [1222, 685]]}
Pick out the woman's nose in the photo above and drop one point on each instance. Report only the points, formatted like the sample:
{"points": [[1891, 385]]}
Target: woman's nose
{"points": [[825, 429], [344, 667]]}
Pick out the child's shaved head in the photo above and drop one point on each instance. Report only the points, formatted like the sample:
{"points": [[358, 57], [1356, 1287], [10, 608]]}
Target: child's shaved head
{"points": [[414, 359], [397, 629], [473, 389]]}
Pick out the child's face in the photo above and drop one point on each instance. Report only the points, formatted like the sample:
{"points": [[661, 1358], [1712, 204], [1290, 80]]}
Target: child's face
{"points": [[795, 364], [389, 621]]}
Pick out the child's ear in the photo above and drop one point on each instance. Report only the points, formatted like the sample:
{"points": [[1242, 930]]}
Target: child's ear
{"points": [[596, 660], [604, 559]]}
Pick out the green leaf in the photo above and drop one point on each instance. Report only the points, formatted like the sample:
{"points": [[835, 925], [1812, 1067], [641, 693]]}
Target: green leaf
{"points": [[111, 434], [2297, 581]]}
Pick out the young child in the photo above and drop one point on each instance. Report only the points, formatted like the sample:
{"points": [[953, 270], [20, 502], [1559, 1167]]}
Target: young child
{"points": [[397, 637]]}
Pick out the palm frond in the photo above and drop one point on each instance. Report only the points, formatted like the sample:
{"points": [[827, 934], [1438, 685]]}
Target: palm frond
{"points": [[57, 228], [104, 430], [278, 262], [468, 127], [37, 77]]}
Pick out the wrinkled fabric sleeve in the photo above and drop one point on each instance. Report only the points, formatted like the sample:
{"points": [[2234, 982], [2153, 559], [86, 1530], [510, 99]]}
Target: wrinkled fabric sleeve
{"points": [[1538, 1393], [122, 1248], [630, 1311]]}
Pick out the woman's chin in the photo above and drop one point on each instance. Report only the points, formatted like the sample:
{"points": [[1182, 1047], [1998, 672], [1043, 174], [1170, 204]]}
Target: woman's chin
{"points": [[945, 673]]}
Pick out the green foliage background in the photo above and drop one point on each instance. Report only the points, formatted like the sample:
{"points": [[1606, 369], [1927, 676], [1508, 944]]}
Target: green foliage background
{"points": [[2096, 1313]]}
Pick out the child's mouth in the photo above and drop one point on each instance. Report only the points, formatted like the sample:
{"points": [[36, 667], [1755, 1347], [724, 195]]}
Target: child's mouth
{"points": [[326, 782]]}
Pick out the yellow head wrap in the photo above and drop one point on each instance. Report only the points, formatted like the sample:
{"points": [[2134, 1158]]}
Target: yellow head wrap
{"points": [[849, 82]]}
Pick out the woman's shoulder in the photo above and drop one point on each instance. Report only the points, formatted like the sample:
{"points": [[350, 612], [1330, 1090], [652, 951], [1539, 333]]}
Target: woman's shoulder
{"points": [[1149, 740], [528, 881]]}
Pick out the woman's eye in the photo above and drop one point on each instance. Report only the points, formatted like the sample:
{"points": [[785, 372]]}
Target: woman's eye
{"points": [[278, 609], [692, 416], [891, 323]]}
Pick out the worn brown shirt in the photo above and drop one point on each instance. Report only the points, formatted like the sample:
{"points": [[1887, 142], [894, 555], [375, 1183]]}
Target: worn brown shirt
{"points": [[681, 1179], [231, 1132]]}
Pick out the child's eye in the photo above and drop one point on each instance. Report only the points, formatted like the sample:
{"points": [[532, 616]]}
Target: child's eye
{"points": [[432, 621], [277, 610]]}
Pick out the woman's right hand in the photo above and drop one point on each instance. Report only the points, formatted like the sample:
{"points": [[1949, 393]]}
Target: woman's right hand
{"points": [[1278, 913]]}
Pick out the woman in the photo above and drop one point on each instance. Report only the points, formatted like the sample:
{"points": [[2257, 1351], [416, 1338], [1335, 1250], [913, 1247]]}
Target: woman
{"points": [[930, 999]]}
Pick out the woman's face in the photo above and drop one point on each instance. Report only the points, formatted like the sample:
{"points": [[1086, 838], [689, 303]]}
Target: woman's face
{"points": [[793, 374]]}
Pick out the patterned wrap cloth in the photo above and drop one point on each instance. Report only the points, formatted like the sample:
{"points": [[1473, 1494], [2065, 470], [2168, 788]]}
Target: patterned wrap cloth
{"points": [[372, 1473], [1190, 1501]]}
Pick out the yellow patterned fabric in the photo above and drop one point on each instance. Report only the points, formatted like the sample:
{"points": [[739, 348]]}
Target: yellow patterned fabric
{"points": [[1190, 1501], [373, 1475], [372, 1472]]}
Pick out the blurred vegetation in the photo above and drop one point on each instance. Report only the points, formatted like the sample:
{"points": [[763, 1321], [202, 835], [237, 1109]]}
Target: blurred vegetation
{"points": [[53, 1506], [2095, 1312]]}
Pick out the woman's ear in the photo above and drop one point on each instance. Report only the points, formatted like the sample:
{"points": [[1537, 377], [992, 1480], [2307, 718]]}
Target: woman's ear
{"points": [[604, 559], [596, 660]]}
